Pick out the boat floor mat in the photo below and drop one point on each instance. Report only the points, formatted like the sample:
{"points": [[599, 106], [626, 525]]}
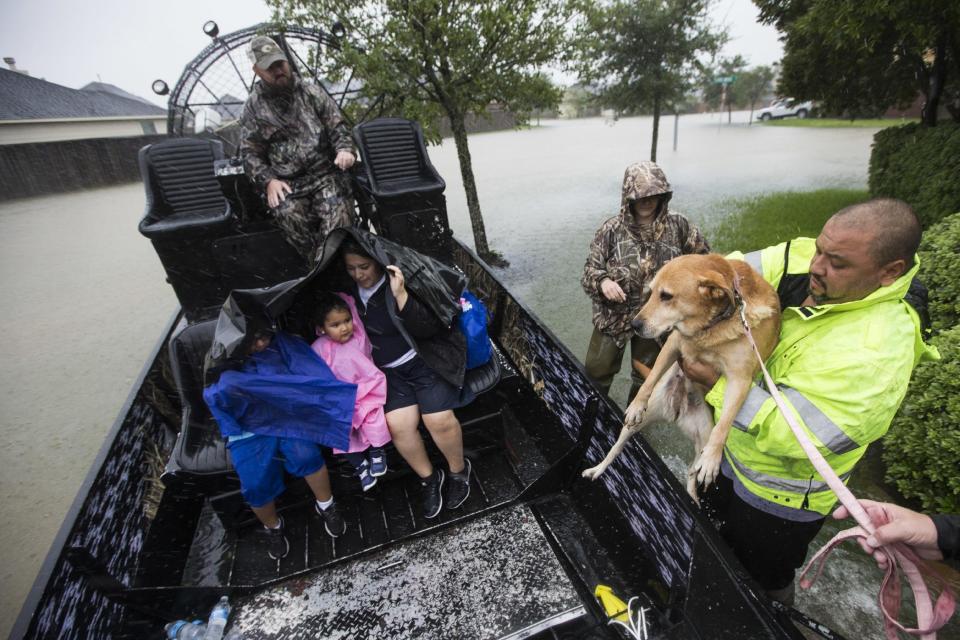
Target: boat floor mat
{"points": [[494, 577]]}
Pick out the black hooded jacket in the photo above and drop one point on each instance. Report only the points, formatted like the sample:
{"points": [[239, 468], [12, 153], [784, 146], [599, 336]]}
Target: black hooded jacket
{"points": [[427, 322]]}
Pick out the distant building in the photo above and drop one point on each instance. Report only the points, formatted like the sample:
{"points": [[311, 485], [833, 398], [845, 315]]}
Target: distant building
{"points": [[34, 110]]}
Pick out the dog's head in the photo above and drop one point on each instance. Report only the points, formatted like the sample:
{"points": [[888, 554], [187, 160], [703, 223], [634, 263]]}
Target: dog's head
{"points": [[687, 294]]}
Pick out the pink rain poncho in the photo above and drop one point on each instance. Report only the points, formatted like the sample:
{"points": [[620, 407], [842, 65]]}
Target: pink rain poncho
{"points": [[352, 362]]}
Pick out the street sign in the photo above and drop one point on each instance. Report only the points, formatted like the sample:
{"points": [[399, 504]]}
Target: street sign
{"points": [[724, 79]]}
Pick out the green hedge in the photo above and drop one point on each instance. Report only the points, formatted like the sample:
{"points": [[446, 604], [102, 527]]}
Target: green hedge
{"points": [[920, 165], [922, 448], [940, 271]]}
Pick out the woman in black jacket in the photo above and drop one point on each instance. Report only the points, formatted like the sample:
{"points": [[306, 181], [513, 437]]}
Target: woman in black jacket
{"points": [[422, 363]]}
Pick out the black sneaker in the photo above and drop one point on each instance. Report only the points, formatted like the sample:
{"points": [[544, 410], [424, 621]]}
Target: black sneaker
{"points": [[333, 522], [277, 544], [432, 493], [458, 489]]}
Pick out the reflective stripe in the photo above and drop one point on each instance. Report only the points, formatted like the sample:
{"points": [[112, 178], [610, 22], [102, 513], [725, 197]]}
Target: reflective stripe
{"points": [[751, 406], [820, 425], [753, 259], [781, 484]]}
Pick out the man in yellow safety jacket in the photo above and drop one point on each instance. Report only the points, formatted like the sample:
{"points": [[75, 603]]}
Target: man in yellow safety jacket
{"points": [[848, 344]]}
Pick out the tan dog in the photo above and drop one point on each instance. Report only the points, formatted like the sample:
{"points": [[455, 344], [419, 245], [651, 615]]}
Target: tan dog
{"points": [[693, 297]]}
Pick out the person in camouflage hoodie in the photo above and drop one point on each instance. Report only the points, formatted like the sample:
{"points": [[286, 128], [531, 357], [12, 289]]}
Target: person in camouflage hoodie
{"points": [[296, 148], [626, 252]]}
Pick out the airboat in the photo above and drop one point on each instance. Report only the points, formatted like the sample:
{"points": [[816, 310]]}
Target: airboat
{"points": [[158, 530]]}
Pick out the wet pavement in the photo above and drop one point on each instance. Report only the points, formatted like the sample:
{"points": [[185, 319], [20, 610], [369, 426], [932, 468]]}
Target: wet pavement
{"points": [[86, 299]]}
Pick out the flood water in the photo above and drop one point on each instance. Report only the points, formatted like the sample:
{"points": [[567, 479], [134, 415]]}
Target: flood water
{"points": [[85, 297]]}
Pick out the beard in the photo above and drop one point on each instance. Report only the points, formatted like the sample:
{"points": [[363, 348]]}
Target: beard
{"points": [[820, 298], [281, 89]]}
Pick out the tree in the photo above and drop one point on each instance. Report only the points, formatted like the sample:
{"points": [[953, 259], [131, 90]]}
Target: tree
{"points": [[425, 58], [864, 57], [713, 92], [647, 54], [753, 85]]}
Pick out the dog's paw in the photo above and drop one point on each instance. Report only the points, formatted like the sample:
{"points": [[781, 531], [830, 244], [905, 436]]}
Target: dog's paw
{"points": [[707, 467], [692, 485], [634, 414], [593, 472]]}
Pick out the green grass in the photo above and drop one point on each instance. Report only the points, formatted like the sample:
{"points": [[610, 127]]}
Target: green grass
{"points": [[835, 123], [763, 220]]}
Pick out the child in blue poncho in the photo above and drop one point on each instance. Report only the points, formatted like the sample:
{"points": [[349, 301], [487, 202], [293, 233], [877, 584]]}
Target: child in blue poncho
{"points": [[275, 412]]}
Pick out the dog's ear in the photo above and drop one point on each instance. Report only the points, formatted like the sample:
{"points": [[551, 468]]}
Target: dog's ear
{"points": [[713, 285]]}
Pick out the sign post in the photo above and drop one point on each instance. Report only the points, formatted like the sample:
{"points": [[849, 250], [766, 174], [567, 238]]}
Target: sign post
{"points": [[724, 81]]}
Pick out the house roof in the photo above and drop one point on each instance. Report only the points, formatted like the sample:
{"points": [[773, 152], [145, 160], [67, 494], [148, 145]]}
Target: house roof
{"points": [[106, 87], [23, 97]]}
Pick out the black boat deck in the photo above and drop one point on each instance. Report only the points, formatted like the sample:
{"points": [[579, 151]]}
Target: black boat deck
{"points": [[505, 565], [386, 514]]}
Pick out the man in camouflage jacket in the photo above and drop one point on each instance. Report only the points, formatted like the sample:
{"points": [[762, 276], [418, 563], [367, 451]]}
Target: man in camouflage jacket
{"points": [[626, 252], [296, 148]]}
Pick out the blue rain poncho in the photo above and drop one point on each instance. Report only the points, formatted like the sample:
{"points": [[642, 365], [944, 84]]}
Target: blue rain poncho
{"points": [[287, 391]]}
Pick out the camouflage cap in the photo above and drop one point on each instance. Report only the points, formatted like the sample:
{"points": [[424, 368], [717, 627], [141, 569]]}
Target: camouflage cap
{"points": [[264, 51]]}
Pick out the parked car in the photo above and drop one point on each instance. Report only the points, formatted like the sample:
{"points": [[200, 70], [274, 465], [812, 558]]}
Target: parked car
{"points": [[786, 107]]}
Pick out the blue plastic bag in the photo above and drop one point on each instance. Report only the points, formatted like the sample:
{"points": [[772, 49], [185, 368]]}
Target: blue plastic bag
{"points": [[473, 324]]}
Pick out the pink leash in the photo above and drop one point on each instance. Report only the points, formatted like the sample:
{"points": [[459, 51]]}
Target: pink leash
{"points": [[930, 618]]}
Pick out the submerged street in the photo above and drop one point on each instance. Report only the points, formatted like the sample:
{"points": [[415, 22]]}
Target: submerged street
{"points": [[86, 297]]}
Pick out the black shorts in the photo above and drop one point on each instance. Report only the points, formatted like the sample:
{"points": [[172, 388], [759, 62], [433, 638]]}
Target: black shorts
{"points": [[415, 383]]}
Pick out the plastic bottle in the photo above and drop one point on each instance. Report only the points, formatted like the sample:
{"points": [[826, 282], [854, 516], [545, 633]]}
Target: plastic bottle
{"points": [[218, 619], [184, 630]]}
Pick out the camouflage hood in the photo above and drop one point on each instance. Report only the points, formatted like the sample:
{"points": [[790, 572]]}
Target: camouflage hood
{"points": [[641, 180], [630, 253]]}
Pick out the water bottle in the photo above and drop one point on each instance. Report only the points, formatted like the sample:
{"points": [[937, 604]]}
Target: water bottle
{"points": [[184, 630], [218, 619]]}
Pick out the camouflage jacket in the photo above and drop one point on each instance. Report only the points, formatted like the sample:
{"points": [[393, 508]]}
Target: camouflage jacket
{"points": [[295, 140], [630, 255]]}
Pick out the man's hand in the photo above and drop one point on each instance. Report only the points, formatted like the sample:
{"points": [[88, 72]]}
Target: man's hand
{"points": [[700, 372], [344, 160], [277, 192], [398, 286], [896, 524], [612, 291]]}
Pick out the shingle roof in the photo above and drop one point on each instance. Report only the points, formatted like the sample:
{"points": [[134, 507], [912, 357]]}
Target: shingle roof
{"points": [[106, 87], [23, 97]]}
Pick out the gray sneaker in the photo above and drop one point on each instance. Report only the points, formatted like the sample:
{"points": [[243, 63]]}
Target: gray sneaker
{"points": [[458, 486], [333, 522], [277, 544]]}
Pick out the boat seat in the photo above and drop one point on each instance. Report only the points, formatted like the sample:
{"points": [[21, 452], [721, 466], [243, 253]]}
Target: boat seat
{"points": [[200, 451], [395, 161], [399, 190], [183, 194], [486, 376]]}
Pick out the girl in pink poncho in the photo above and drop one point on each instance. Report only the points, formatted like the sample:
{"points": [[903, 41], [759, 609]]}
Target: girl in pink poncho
{"points": [[343, 345]]}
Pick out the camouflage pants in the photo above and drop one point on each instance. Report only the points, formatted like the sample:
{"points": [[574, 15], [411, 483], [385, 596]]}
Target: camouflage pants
{"points": [[306, 220], [604, 360]]}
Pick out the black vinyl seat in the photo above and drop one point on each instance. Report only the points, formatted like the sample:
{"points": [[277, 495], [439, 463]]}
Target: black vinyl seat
{"points": [[486, 376], [200, 451], [399, 189], [183, 194], [395, 161]]}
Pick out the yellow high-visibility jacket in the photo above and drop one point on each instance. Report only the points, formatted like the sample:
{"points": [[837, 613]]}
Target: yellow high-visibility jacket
{"points": [[844, 368]]}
